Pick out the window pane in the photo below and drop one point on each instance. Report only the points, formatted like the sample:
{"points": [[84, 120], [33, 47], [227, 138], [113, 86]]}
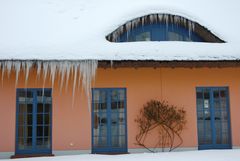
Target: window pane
{"points": [[100, 142], [48, 93], [223, 93], [25, 96], [29, 131], [118, 141], [173, 36], [208, 132], [21, 119], [46, 119], [20, 131], [39, 142], [46, 143], [40, 131], [29, 119], [39, 108], [100, 100], [29, 108], [46, 131], [144, 36], [29, 143], [121, 93], [199, 95], [114, 95], [216, 94], [22, 108], [39, 119], [47, 108], [21, 143], [206, 94]]}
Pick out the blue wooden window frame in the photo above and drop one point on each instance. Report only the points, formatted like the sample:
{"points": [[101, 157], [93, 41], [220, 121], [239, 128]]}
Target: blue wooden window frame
{"points": [[109, 148], [212, 110], [160, 32], [34, 149]]}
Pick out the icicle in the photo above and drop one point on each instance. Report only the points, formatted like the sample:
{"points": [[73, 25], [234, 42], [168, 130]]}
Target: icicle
{"points": [[88, 71], [176, 20], [189, 28], [143, 21], [171, 17], [75, 68], [53, 67], [68, 70], [155, 17], [166, 19], [193, 26], [45, 71], [128, 26], [3, 70], [85, 70], [9, 67], [17, 67], [28, 66], [79, 77], [62, 70], [111, 63], [39, 67], [160, 17], [151, 19]]}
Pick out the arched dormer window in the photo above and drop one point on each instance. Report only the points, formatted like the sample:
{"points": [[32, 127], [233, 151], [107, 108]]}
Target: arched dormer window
{"points": [[162, 27]]}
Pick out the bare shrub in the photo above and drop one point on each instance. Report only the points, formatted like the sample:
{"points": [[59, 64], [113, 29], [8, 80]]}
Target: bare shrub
{"points": [[167, 120]]}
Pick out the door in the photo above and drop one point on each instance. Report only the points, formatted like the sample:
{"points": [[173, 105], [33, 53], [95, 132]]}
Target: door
{"points": [[33, 121], [213, 118], [109, 124]]}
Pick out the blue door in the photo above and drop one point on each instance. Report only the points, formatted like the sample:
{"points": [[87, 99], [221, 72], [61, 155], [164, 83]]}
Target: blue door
{"points": [[213, 118], [33, 121], [109, 124]]}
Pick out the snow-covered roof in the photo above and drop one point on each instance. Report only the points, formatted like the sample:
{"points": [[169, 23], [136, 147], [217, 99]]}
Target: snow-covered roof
{"points": [[76, 29]]}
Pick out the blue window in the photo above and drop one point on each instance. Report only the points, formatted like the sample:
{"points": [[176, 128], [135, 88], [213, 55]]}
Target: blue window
{"points": [[159, 32], [33, 121], [162, 27], [109, 124], [213, 118]]}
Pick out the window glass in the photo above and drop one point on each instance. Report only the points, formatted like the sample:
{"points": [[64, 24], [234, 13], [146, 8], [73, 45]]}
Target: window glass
{"points": [[145, 36], [33, 136], [109, 122], [213, 118]]}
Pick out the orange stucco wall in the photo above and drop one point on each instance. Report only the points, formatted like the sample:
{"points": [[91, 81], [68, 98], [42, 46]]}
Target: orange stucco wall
{"points": [[72, 122]]}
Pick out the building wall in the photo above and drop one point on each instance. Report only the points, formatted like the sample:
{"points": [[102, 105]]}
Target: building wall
{"points": [[72, 120]]}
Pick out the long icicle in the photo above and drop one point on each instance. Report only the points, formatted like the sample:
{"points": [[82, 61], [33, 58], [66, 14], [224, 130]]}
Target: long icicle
{"points": [[84, 71]]}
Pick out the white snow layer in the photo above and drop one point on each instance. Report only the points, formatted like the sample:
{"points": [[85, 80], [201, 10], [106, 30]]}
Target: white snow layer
{"points": [[209, 155], [76, 29]]}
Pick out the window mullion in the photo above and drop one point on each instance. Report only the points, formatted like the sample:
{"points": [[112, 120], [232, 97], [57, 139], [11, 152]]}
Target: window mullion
{"points": [[34, 119]]}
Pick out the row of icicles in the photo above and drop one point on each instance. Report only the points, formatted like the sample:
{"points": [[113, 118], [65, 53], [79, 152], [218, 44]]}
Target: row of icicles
{"points": [[167, 19], [83, 72]]}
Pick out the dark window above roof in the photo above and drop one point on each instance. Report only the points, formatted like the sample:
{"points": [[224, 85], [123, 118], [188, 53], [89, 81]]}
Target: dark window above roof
{"points": [[162, 27]]}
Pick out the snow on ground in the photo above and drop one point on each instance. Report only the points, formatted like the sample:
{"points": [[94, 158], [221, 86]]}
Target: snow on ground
{"points": [[208, 155], [76, 29]]}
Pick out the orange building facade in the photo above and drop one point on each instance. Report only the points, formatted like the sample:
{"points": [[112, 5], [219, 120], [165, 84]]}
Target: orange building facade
{"points": [[71, 123]]}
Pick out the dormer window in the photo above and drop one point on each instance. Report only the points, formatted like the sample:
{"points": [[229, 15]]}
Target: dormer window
{"points": [[162, 27]]}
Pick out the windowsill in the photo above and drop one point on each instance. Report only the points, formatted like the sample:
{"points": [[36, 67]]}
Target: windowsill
{"points": [[30, 155]]}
